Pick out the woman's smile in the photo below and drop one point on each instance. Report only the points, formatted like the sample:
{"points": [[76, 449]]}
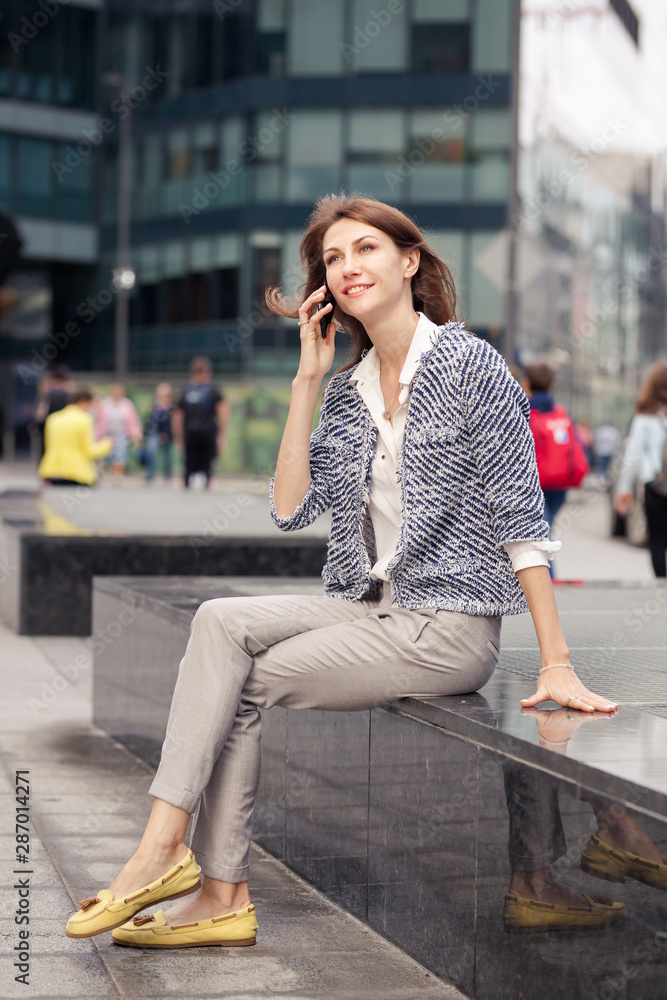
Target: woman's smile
{"points": [[355, 290]]}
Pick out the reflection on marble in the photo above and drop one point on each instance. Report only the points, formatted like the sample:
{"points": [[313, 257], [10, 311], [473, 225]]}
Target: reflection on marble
{"points": [[421, 818]]}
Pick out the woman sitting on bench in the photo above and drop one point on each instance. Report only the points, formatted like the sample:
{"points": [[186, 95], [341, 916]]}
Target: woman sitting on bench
{"points": [[425, 458]]}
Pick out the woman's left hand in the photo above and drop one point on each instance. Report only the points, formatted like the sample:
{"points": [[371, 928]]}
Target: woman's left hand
{"points": [[561, 684]]}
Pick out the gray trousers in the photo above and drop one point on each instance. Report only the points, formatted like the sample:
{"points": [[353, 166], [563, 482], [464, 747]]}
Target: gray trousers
{"points": [[249, 653]]}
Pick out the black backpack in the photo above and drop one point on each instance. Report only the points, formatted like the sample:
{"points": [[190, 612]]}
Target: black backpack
{"points": [[198, 409]]}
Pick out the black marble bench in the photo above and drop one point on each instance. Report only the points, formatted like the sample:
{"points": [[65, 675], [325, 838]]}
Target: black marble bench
{"points": [[46, 569], [400, 814]]}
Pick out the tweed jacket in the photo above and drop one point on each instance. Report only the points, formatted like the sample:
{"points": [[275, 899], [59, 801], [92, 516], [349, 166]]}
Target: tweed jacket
{"points": [[467, 475]]}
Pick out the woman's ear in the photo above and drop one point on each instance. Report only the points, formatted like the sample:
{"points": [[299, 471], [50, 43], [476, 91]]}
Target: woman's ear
{"points": [[414, 256]]}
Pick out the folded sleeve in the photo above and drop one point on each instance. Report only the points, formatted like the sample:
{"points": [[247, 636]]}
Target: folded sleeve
{"points": [[497, 414], [318, 498], [526, 554]]}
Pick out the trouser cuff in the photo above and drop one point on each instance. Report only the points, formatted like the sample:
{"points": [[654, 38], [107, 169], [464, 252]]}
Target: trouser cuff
{"points": [[224, 873], [176, 796]]}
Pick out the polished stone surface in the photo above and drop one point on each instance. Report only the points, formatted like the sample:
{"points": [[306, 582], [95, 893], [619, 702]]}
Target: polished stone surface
{"points": [[406, 816]]}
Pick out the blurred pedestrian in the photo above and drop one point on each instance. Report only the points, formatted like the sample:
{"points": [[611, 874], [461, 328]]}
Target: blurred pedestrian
{"points": [[70, 445], [52, 395], [606, 442], [118, 419], [159, 433], [200, 423], [645, 461], [561, 457]]}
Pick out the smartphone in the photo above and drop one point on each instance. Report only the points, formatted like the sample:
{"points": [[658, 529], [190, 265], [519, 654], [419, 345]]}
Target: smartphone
{"points": [[324, 322]]}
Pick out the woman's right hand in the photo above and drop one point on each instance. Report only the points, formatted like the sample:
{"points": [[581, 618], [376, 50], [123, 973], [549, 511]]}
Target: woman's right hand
{"points": [[317, 352]]}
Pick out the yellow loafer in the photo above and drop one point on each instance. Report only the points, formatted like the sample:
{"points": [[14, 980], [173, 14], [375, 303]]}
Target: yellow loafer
{"points": [[603, 861], [530, 916], [151, 930], [103, 912]]}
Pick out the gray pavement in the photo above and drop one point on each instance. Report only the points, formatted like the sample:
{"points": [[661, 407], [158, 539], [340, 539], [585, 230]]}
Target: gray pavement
{"points": [[88, 804]]}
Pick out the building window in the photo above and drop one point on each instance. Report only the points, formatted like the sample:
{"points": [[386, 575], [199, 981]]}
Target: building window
{"points": [[147, 303], [56, 64], [314, 144], [35, 178], [226, 286], [178, 155], [439, 49], [203, 49]]}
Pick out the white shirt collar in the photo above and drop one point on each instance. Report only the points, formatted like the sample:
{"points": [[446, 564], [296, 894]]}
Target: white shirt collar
{"points": [[423, 339]]}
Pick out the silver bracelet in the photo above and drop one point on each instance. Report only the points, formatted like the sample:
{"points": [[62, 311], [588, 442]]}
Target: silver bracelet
{"points": [[554, 743], [552, 665]]}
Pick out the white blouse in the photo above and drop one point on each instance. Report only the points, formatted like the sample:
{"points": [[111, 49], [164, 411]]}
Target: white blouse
{"points": [[385, 500]]}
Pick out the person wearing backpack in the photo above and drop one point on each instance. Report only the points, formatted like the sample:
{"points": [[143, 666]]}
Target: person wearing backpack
{"points": [[645, 461], [560, 454], [200, 422]]}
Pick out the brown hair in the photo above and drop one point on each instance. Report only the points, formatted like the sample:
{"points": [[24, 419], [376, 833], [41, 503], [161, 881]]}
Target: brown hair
{"points": [[540, 377], [653, 393], [201, 365], [82, 395], [433, 291]]}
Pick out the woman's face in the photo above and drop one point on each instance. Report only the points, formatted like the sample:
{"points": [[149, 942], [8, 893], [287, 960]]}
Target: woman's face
{"points": [[366, 272]]}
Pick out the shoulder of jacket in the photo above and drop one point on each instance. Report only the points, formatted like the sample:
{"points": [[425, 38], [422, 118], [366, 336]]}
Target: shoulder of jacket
{"points": [[459, 346]]}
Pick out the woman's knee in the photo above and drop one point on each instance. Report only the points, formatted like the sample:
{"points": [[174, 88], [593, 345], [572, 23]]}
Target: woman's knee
{"points": [[210, 611], [221, 611]]}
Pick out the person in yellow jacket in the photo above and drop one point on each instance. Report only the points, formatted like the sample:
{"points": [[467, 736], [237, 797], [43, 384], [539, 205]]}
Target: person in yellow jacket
{"points": [[70, 446]]}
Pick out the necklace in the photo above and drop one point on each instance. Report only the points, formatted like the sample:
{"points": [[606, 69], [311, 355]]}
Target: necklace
{"points": [[387, 413]]}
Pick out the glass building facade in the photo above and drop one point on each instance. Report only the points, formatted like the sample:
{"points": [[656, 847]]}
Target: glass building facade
{"points": [[246, 112], [593, 181], [49, 74]]}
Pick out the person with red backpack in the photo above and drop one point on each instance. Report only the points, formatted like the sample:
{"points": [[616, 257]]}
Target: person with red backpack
{"points": [[561, 456]]}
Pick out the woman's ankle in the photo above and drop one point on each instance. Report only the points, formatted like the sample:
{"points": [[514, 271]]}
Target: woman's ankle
{"points": [[161, 850], [228, 895]]}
